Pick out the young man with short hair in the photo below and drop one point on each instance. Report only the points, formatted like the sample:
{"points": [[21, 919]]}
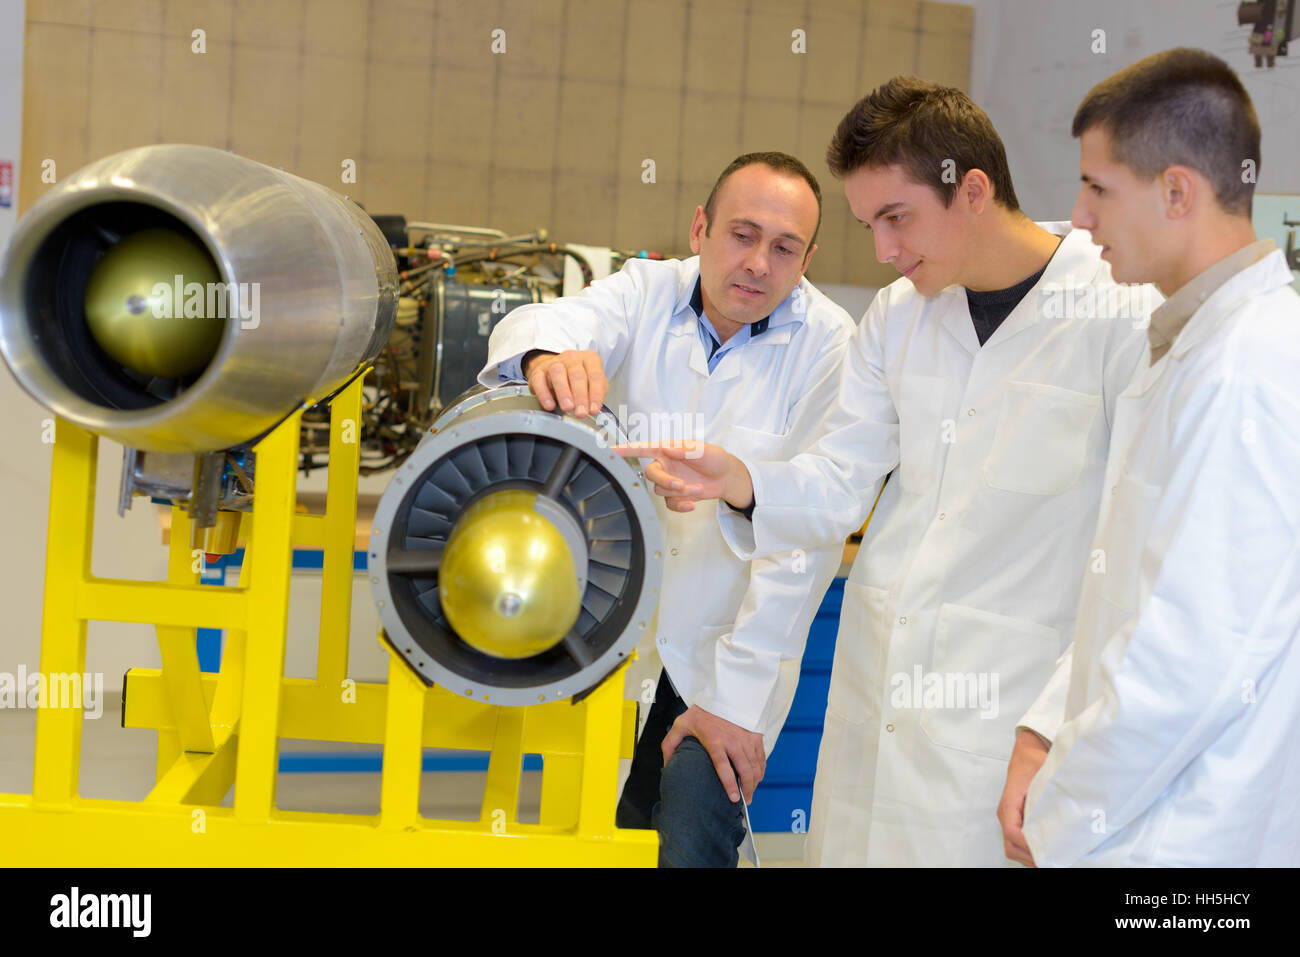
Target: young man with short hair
{"points": [[1173, 724], [986, 377]]}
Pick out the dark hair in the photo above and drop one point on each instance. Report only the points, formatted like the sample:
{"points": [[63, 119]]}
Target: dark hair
{"points": [[926, 129], [782, 163], [1183, 107]]}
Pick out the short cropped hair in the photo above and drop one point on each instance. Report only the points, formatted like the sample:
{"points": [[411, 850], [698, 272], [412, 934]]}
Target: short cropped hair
{"points": [[782, 163], [936, 133], [1181, 107]]}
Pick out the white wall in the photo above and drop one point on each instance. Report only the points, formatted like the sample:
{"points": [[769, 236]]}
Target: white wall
{"points": [[1032, 63], [12, 22]]}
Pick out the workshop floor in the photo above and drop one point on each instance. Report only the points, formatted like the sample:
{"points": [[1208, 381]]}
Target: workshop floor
{"points": [[118, 763]]}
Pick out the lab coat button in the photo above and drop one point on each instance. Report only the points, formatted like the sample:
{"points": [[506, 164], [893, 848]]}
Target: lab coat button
{"points": [[970, 411], [663, 641], [902, 620], [942, 516], [674, 551], [889, 728]]}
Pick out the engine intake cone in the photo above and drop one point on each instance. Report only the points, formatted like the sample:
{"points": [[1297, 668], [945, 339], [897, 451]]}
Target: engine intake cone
{"points": [[507, 581]]}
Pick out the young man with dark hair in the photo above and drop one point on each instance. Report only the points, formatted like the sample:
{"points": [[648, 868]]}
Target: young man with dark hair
{"points": [[982, 379], [1172, 726], [737, 346]]}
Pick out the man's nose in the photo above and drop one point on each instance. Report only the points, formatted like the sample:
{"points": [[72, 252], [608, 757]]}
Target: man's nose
{"points": [[1081, 217], [757, 260], [886, 248]]}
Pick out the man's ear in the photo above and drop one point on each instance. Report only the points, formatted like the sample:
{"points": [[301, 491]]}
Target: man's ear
{"points": [[698, 225], [1180, 188], [807, 259], [976, 190]]}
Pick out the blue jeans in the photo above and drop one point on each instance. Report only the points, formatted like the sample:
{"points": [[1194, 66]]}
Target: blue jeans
{"points": [[698, 824]]}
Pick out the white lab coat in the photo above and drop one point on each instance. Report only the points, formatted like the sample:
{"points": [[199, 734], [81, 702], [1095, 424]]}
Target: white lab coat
{"points": [[730, 632], [1179, 743], [972, 563]]}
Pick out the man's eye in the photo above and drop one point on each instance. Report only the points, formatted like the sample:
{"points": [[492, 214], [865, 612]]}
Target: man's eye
{"points": [[743, 237], [1096, 189], [785, 250], [896, 218]]}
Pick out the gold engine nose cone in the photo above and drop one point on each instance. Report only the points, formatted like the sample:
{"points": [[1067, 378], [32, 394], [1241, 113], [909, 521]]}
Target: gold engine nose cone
{"points": [[507, 578], [148, 331]]}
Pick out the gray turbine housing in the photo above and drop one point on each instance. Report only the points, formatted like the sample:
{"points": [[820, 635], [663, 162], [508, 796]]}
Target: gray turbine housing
{"points": [[326, 277], [490, 441]]}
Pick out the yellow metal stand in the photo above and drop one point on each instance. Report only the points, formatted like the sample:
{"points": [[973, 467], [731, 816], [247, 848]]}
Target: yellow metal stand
{"points": [[221, 730]]}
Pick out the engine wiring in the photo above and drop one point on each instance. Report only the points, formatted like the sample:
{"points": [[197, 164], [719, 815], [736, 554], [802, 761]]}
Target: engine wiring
{"points": [[399, 397]]}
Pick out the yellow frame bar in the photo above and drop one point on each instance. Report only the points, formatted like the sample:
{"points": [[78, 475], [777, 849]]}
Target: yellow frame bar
{"points": [[215, 731]]}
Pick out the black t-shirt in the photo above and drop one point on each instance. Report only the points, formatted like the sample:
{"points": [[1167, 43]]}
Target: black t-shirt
{"points": [[988, 309]]}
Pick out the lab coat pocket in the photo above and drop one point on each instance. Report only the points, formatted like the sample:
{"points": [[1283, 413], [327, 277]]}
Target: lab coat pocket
{"points": [[1042, 438], [754, 444], [857, 673], [987, 670], [922, 407]]}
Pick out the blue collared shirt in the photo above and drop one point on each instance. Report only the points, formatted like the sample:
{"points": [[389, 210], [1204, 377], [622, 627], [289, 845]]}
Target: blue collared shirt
{"points": [[714, 347]]}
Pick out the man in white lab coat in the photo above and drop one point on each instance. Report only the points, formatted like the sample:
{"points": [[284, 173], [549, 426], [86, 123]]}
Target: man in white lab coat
{"points": [[735, 346], [1173, 725], [987, 378]]}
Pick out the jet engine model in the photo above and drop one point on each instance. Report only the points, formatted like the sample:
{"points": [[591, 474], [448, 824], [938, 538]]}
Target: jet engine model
{"points": [[514, 558], [183, 301]]}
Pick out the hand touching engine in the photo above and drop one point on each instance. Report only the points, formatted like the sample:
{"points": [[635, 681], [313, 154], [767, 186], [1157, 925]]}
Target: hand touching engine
{"points": [[574, 380]]}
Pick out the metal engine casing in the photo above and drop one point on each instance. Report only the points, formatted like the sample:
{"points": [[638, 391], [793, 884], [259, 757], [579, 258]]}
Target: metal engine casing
{"points": [[489, 441], [327, 284]]}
